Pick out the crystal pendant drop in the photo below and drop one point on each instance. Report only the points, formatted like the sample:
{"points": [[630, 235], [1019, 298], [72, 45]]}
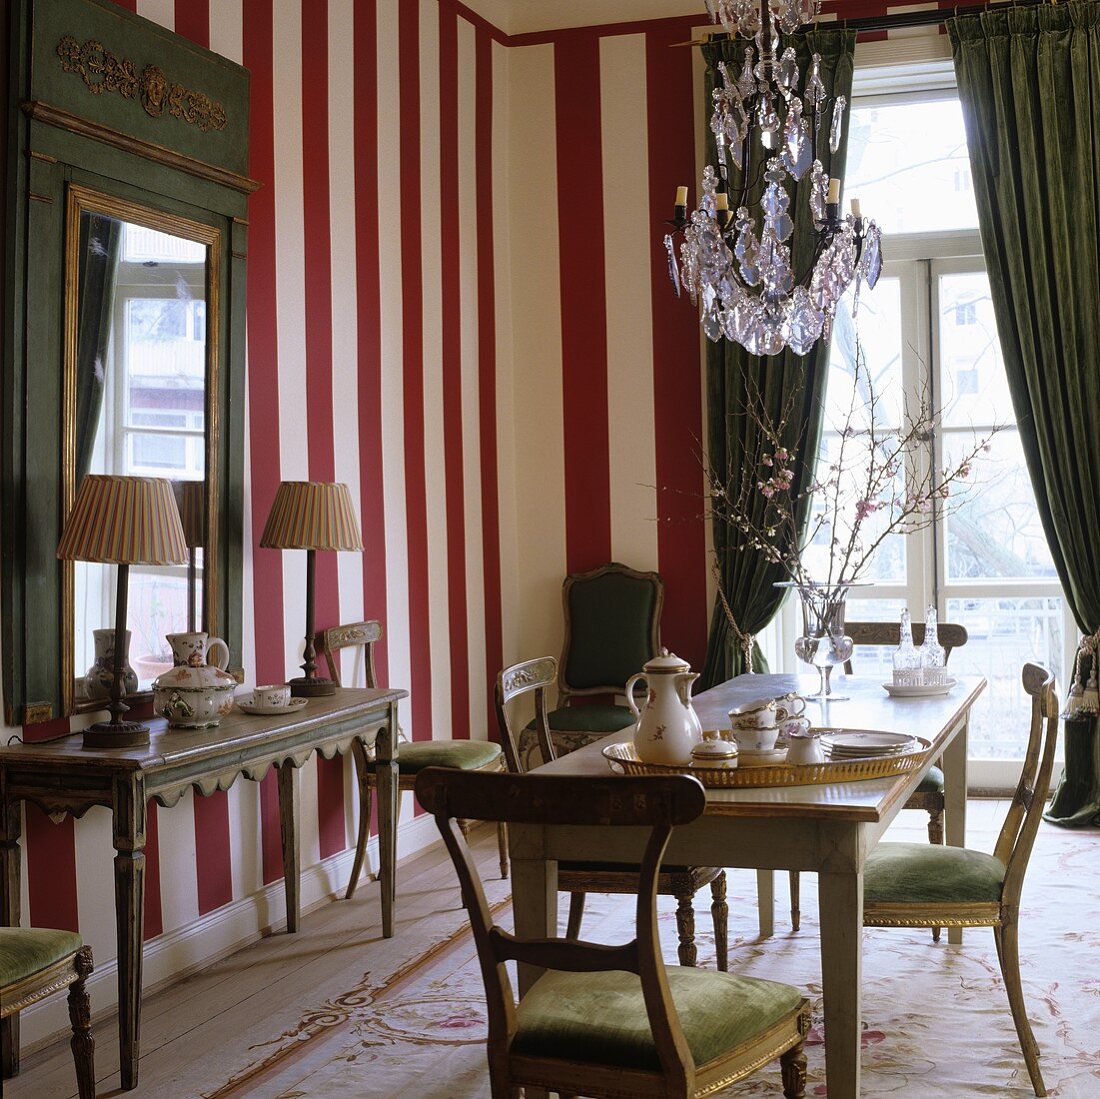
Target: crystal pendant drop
{"points": [[796, 141], [746, 82], [837, 128], [819, 192], [747, 248], [803, 325], [871, 263], [673, 266], [815, 88], [787, 74], [768, 119]]}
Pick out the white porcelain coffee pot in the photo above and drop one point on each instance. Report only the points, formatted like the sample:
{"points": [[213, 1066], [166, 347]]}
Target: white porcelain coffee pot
{"points": [[668, 726]]}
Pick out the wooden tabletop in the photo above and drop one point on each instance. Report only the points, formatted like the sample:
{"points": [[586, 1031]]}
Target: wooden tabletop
{"points": [[867, 706]]}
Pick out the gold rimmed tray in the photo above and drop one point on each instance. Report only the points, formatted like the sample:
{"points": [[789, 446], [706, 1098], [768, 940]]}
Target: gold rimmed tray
{"points": [[623, 759]]}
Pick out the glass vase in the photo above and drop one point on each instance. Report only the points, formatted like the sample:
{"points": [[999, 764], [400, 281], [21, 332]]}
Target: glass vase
{"points": [[823, 642]]}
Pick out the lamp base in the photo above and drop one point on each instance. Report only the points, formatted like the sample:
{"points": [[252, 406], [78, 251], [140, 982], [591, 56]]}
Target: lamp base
{"points": [[122, 734], [312, 687]]}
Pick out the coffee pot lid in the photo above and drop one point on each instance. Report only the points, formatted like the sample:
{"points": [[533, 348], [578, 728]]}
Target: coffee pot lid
{"points": [[665, 661]]}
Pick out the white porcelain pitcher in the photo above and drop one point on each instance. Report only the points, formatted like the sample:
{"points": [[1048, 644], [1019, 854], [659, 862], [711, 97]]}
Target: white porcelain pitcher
{"points": [[668, 726]]}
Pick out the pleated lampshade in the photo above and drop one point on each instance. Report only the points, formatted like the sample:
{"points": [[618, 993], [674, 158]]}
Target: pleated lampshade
{"points": [[124, 521], [191, 501], [312, 515]]}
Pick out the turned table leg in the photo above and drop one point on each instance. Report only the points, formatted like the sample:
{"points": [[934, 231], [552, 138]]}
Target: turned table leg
{"points": [[289, 797], [129, 841], [385, 769]]}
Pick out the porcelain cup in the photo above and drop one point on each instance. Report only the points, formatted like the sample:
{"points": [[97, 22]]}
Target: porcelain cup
{"points": [[758, 714], [271, 695], [788, 706]]}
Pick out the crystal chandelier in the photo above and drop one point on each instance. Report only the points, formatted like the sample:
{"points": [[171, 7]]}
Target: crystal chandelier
{"points": [[738, 266]]}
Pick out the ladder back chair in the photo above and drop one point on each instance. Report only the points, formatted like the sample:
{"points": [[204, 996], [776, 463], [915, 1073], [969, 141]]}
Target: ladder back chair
{"points": [[610, 1020], [534, 678], [36, 962], [929, 794], [612, 622], [922, 885], [412, 756]]}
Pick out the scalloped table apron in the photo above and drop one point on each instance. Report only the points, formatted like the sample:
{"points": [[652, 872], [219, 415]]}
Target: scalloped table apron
{"points": [[62, 777]]}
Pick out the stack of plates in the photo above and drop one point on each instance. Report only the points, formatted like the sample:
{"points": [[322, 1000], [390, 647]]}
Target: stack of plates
{"points": [[860, 744]]}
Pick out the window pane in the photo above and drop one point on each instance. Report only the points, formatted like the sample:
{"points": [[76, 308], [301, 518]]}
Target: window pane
{"points": [[993, 529], [908, 165], [1005, 633], [975, 388]]}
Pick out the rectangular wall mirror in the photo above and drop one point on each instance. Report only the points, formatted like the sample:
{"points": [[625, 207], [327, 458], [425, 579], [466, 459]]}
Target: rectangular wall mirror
{"points": [[141, 363]]}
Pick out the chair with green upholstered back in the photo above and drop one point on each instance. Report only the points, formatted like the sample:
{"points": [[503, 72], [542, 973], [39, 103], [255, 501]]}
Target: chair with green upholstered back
{"points": [[412, 756], [610, 1020], [531, 680], [924, 885], [612, 618], [36, 962]]}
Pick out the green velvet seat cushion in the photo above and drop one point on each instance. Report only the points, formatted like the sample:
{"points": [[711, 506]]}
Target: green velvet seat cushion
{"points": [[594, 719], [932, 783], [926, 873], [601, 1018], [466, 755], [26, 950]]}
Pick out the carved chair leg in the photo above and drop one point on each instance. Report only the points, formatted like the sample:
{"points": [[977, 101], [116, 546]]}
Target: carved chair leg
{"points": [[796, 912], [792, 1065], [80, 1016], [720, 911], [685, 928], [364, 773], [464, 825], [935, 825], [1009, 954], [576, 914], [502, 847]]}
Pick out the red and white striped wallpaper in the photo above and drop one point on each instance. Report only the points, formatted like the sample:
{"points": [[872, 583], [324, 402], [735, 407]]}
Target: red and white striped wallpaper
{"points": [[457, 304]]}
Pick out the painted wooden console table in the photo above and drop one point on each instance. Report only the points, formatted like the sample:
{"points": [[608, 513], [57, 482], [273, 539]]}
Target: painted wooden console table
{"points": [[61, 777]]}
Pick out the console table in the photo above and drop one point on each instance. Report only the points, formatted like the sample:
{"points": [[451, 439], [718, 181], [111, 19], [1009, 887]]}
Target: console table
{"points": [[61, 777]]}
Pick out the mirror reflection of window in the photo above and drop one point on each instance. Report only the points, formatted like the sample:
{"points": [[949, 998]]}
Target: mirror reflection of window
{"points": [[141, 411]]}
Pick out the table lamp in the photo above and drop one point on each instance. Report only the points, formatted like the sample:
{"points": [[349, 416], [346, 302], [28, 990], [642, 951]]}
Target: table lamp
{"points": [[311, 515], [191, 501], [122, 521]]}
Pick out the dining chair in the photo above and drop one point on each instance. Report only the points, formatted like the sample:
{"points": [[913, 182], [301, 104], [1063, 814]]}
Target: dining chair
{"points": [[925, 885], [36, 962], [610, 1020], [534, 678], [412, 756], [929, 794], [612, 620]]}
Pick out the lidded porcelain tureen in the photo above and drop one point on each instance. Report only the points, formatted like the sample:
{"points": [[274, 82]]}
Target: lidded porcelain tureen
{"points": [[195, 694]]}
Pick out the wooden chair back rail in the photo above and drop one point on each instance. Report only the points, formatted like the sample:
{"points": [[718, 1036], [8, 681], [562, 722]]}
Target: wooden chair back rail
{"points": [[1017, 835], [532, 676], [566, 690], [951, 635], [336, 638], [654, 802]]}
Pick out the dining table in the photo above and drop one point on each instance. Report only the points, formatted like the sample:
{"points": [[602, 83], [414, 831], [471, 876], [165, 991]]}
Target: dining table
{"points": [[828, 829]]}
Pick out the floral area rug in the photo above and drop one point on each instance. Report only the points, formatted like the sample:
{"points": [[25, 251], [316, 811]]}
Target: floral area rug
{"points": [[935, 1017]]}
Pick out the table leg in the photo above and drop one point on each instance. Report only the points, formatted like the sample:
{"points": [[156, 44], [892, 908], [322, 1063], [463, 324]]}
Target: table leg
{"points": [[954, 796], [288, 826], [11, 826], [765, 902], [386, 775], [129, 811], [535, 904], [840, 905]]}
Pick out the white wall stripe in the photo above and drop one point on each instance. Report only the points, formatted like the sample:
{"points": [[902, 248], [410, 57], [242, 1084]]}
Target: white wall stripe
{"points": [[179, 889], [159, 11], [227, 29], [627, 262], [539, 503], [96, 896]]}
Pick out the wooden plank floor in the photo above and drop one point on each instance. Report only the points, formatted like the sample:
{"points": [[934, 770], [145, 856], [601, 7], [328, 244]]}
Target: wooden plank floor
{"points": [[195, 1033]]}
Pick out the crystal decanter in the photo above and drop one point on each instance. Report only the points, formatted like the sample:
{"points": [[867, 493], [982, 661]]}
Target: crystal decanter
{"points": [[933, 658], [907, 661]]}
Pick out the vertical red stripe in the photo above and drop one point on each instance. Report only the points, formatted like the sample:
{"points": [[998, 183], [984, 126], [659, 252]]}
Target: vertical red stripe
{"points": [[129, 5], [154, 912], [263, 385], [193, 20], [51, 870], [318, 302], [450, 256], [677, 386], [583, 308], [368, 306], [412, 296], [487, 360]]}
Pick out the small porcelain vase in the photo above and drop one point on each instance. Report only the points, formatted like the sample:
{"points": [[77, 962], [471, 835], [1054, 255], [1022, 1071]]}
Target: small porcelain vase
{"points": [[101, 675], [195, 694], [668, 726]]}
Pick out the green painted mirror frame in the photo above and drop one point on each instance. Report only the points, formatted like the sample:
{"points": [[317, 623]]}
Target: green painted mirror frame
{"points": [[107, 108]]}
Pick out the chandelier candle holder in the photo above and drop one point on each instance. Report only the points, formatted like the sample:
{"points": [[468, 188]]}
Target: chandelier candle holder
{"points": [[770, 119]]}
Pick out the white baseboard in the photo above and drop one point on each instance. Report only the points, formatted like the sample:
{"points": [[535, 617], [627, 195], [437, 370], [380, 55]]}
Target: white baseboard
{"points": [[177, 954]]}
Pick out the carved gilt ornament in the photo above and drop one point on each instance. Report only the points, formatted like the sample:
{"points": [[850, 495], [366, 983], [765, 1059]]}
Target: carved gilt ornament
{"points": [[103, 71]]}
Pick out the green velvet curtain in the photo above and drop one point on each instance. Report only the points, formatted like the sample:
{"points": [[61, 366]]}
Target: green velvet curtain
{"points": [[100, 238], [737, 381], [1029, 81]]}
